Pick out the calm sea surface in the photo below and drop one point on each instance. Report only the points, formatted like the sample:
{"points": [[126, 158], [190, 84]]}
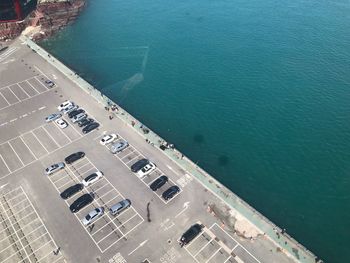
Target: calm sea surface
{"points": [[256, 92]]}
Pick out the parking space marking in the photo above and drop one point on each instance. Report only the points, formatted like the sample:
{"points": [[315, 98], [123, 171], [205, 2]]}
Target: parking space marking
{"points": [[5, 100], [14, 93], [139, 155], [51, 137], [23, 90], [106, 218], [9, 143], [39, 141], [30, 84], [38, 80], [28, 147], [5, 163], [32, 241]]}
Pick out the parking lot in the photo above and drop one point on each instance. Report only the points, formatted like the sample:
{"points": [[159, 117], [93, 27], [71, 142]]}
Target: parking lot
{"points": [[129, 156], [33, 145], [24, 90], [23, 235], [107, 230], [145, 232], [215, 245]]}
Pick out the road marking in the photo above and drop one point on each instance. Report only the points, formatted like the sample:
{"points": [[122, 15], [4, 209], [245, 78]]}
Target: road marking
{"points": [[39, 140], [13, 120], [139, 246], [9, 143], [23, 89], [59, 146], [30, 84], [41, 108], [5, 163], [185, 206], [14, 93], [5, 99]]}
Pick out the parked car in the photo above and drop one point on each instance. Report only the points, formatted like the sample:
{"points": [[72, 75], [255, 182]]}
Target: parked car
{"points": [[92, 178], [54, 168], [138, 165], [72, 190], [85, 122], [92, 216], [75, 112], [61, 123], [50, 83], [119, 207], [79, 117], [70, 108], [64, 105], [159, 182], [88, 128], [81, 202], [53, 117], [190, 234], [108, 139], [119, 146], [74, 157], [147, 169], [170, 192]]}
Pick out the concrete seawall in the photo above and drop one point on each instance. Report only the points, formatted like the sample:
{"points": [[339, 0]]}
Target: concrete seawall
{"points": [[283, 241]]}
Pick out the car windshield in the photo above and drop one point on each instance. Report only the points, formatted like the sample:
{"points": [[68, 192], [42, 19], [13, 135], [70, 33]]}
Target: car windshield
{"points": [[90, 177], [88, 217]]}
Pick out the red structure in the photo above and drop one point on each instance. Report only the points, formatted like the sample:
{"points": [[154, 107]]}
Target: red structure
{"points": [[15, 10]]}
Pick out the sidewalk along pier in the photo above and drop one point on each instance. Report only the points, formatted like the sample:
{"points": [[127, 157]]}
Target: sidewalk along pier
{"points": [[283, 241]]}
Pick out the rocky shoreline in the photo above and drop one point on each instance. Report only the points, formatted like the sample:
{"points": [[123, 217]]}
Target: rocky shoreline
{"points": [[46, 20]]}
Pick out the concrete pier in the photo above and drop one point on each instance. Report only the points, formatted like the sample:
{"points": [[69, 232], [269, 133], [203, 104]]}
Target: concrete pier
{"points": [[234, 231]]}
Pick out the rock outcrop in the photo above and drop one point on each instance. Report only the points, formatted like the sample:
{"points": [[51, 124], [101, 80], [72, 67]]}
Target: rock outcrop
{"points": [[47, 19]]}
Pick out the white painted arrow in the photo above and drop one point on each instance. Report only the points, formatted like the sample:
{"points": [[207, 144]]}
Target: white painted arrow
{"points": [[185, 206], [141, 244]]}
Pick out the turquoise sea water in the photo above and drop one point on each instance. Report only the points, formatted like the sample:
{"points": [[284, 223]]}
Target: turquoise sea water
{"points": [[256, 92]]}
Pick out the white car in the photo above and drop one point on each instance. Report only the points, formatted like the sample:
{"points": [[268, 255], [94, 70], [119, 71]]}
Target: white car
{"points": [[92, 216], [64, 105], [147, 169], [92, 178], [108, 139], [61, 123]]}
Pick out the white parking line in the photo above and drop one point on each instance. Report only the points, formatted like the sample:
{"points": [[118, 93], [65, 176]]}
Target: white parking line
{"points": [[213, 255], [62, 131], [61, 178], [5, 99], [23, 89], [100, 197], [14, 93], [203, 247], [39, 140], [28, 147], [41, 83], [59, 146], [32, 86], [5, 163], [9, 143], [16, 232]]}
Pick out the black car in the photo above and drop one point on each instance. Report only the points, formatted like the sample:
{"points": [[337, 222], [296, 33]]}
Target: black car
{"points": [[81, 202], [75, 112], [85, 122], [158, 183], [139, 165], [190, 234], [74, 157], [91, 127], [72, 190], [173, 190]]}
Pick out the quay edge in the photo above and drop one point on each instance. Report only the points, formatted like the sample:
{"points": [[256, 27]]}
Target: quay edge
{"points": [[283, 241]]}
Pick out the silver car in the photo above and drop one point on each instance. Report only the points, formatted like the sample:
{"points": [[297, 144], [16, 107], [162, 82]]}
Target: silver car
{"points": [[92, 216], [119, 207], [119, 146], [79, 117], [54, 168], [53, 117]]}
